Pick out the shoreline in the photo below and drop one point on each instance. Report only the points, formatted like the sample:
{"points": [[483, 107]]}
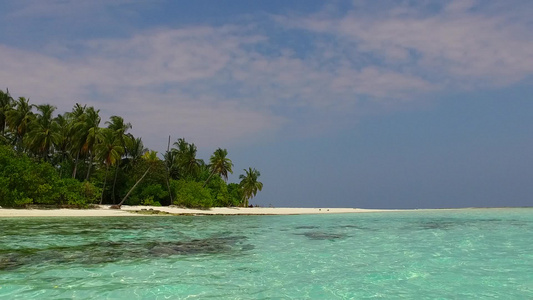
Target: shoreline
{"points": [[133, 211]]}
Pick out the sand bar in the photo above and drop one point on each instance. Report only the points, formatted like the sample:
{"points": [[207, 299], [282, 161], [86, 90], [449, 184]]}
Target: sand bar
{"points": [[105, 211]]}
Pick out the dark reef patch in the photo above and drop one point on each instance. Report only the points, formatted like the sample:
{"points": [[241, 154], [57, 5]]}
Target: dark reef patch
{"points": [[107, 252], [306, 227], [318, 235]]}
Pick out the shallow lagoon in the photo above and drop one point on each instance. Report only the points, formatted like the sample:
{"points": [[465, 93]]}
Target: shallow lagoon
{"points": [[466, 254]]}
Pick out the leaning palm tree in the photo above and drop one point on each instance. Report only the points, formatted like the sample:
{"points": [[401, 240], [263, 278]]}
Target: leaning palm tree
{"points": [[219, 164], [151, 158], [249, 185], [108, 152]]}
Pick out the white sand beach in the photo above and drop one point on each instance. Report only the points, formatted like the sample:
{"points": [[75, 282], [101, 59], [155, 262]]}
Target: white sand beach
{"points": [[128, 211]]}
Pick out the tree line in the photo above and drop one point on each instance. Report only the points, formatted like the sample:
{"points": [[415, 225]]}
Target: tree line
{"points": [[72, 159]]}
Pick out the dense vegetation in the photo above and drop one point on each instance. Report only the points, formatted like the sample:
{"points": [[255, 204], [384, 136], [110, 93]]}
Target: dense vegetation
{"points": [[71, 160]]}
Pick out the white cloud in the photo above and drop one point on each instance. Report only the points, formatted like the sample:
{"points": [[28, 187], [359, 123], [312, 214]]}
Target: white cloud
{"points": [[220, 84], [465, 44], [160, 81]]}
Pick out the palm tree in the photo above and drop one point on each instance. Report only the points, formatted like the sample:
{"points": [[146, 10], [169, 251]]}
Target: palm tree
{"points": [[42, 135], [168, 158], [134, 150], [249, 184], [61, 125], [119, 128], [185, 158], [108, 152], [171, 162], [151, 158], [19, 119], [220, 164], [91, 125], [77, 133], [6, 104]]}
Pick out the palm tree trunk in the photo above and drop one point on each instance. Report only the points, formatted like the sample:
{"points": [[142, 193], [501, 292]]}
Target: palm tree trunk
{"points": [[134, 186], [89, 168], [63, 159], [168, 174], [76, 165], [169, 191], [210, 175], [103, 189], [114, 183]]}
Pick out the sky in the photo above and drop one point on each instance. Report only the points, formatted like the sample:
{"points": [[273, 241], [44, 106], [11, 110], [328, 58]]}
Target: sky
{"points": [[368, 104]]}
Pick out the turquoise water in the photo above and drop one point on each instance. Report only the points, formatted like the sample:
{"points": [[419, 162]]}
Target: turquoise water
{"points": [[467, 254]]}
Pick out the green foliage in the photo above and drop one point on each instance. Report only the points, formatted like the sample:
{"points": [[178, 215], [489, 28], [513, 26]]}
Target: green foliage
{"points": [[222, 197], [192, 194], [219, 191], [220, 164], [75, 193], [181, 161], [24, 182], [153, 184], [91, 192], [154, 177], [155, 192], [82, 163], [150, 202], [235, 194], [250, 185], [21, 200]]}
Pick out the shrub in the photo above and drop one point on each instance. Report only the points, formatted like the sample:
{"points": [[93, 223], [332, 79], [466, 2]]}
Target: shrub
{"points": [[150, 202], [155, 191], [91, 192], [80, 194], [24, 182], [192, 194]]}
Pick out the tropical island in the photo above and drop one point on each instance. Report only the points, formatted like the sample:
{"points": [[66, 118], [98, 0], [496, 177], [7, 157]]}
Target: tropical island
{"points": [[74, 160]]}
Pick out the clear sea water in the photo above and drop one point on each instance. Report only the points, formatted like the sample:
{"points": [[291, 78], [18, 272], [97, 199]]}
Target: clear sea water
{"points": [[466, 254]]}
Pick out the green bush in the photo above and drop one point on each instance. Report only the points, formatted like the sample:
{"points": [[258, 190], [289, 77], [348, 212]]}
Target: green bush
{"points": [[150, 202], [192, 194], [219, 191], [235, 193], [154, 191], [24, 182], [70, 193], [75, 193], [91, 192]]}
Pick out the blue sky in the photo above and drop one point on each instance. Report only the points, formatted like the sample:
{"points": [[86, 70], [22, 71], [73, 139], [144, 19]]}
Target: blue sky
{"points": [[372, 104]]}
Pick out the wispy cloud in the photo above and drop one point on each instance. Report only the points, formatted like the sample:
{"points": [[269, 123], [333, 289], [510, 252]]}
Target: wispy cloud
{"points": [[461, 44], [236, 81]]}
